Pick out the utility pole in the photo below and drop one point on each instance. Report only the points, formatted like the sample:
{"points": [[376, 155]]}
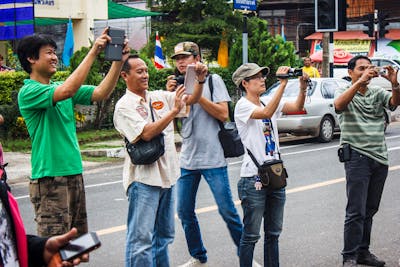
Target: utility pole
{"points": [[245, 39], [325, 54], [376, 29]]}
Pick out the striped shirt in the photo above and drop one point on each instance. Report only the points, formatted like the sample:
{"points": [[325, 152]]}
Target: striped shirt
{"points": [[362, 122]]}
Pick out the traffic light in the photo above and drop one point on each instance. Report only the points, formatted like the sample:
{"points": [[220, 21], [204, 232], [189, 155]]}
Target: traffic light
{"points": [[330, 15], [370, 25], [342, 16], [382, 24]]}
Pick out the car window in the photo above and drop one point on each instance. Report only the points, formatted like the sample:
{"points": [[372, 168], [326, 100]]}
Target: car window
{"points": [[386, 63], [292, 88], [343, 83], [376, 62], [328, 88]]}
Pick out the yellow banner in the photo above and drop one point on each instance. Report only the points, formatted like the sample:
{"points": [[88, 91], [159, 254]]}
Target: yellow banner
{"points": [[353, 46]]}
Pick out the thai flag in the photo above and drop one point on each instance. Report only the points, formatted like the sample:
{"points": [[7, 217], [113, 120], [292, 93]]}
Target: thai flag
{"points": [[159, 60]]}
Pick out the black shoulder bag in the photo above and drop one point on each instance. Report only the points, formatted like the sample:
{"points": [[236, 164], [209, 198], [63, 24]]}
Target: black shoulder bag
{"points": [[228, 134], [272, 172], [146, 152]]}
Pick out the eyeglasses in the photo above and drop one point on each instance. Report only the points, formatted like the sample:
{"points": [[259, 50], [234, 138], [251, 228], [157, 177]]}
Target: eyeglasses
{"points": [[256, 77]]}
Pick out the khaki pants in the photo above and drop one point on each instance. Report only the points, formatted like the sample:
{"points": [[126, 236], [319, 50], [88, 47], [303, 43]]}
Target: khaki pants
{"points": [[59, 204]]}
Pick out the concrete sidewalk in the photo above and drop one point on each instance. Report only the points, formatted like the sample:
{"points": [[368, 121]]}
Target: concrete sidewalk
{"points": [[19, 164]]}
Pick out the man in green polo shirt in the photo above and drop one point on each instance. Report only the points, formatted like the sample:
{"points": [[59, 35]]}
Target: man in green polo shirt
{"points": [[56, 188], [361, 110]]}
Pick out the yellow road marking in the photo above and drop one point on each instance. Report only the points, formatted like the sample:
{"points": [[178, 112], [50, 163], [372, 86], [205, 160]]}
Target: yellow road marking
{"points": [[120, 228]]}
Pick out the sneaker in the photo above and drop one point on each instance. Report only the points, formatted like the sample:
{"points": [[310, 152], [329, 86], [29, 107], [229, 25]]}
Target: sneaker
{"points": [[350, 263], [367, 258], [193, 262], [256, 264]]}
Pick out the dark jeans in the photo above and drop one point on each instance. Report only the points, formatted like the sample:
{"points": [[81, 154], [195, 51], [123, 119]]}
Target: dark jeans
{"points": [[187, 186], [365, 179], [257, 205]]}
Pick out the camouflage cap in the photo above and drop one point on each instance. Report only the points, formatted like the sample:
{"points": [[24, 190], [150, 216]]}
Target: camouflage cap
{"points": [[186, 48], [247, 70]]}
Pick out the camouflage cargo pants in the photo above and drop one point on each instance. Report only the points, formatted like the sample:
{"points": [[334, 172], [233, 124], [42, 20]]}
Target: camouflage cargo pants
{"points": [[59, 204]]}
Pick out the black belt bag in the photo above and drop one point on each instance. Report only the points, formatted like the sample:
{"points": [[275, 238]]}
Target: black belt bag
{"points": [[272, 172], [146, 152]]}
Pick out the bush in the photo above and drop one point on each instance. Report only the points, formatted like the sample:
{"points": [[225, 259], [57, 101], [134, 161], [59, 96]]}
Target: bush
{"points": [[9, 82]]}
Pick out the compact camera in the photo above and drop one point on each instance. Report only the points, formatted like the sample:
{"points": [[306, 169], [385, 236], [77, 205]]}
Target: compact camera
{"points": [[179, 79], [293, 72], [381, 71]]}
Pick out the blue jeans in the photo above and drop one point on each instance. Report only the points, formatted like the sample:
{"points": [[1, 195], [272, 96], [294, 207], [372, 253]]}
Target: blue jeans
{"points": [[187, 187], [258, 204], [150, 225], [365, 179]]}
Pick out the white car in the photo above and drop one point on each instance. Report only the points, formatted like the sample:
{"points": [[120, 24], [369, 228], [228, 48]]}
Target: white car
{"points": [[318, 118], [381, 62], [341, 71]]}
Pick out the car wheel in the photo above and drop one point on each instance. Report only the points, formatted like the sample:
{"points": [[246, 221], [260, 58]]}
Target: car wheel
{"points": [[326, 129]]}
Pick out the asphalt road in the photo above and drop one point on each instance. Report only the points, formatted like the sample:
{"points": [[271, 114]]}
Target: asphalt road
{"points": [[314, 212]]}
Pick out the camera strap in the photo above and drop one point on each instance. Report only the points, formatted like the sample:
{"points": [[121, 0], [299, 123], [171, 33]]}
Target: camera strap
{"points": [[152, 118], [230, 109]]}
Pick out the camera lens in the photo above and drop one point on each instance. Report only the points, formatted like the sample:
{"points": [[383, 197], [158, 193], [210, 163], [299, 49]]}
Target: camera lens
{"points": [[180, 79]]}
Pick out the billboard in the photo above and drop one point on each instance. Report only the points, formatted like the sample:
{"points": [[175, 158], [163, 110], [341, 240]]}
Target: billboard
{"points": [[16, 19]]}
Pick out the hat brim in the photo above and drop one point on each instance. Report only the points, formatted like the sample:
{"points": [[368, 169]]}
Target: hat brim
{"points": [[263, 70], [181, 53]]}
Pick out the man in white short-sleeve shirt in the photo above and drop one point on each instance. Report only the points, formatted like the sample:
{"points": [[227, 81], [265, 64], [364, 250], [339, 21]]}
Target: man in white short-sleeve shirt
{"points": [[150, 224]]}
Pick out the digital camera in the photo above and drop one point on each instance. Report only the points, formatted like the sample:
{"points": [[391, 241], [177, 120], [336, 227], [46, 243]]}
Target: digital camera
{"points": [[179, 79], [293, 72], [381, 71]]}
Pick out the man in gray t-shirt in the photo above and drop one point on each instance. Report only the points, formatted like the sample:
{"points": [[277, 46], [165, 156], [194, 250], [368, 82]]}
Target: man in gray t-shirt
{"points": [[202, 155]]}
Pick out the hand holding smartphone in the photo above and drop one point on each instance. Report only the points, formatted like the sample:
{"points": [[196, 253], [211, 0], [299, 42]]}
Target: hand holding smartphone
{"points": [[113, 51], [83, 244]]}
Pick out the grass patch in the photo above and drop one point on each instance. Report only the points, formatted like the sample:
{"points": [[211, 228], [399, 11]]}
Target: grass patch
{"points": [[89, 146], [85, 138], [101, 159]]}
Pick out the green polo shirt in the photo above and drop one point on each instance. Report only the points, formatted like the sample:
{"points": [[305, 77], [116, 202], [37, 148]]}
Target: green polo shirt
{"points": [[55, 148], [362, 122]]}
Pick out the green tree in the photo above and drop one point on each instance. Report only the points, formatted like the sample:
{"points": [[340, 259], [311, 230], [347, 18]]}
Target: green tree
{"points": [[263, 49], [200, 21]]}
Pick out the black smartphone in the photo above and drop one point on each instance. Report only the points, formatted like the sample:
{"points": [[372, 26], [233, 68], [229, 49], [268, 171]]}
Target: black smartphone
{"points": [[81, 245], [113, 51]]}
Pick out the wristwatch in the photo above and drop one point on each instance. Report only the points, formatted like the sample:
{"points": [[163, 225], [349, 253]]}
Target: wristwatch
{"points": [[201, 82]]}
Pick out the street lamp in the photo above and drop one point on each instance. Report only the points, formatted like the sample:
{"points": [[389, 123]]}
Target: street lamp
{"points": [[297, 32]]}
